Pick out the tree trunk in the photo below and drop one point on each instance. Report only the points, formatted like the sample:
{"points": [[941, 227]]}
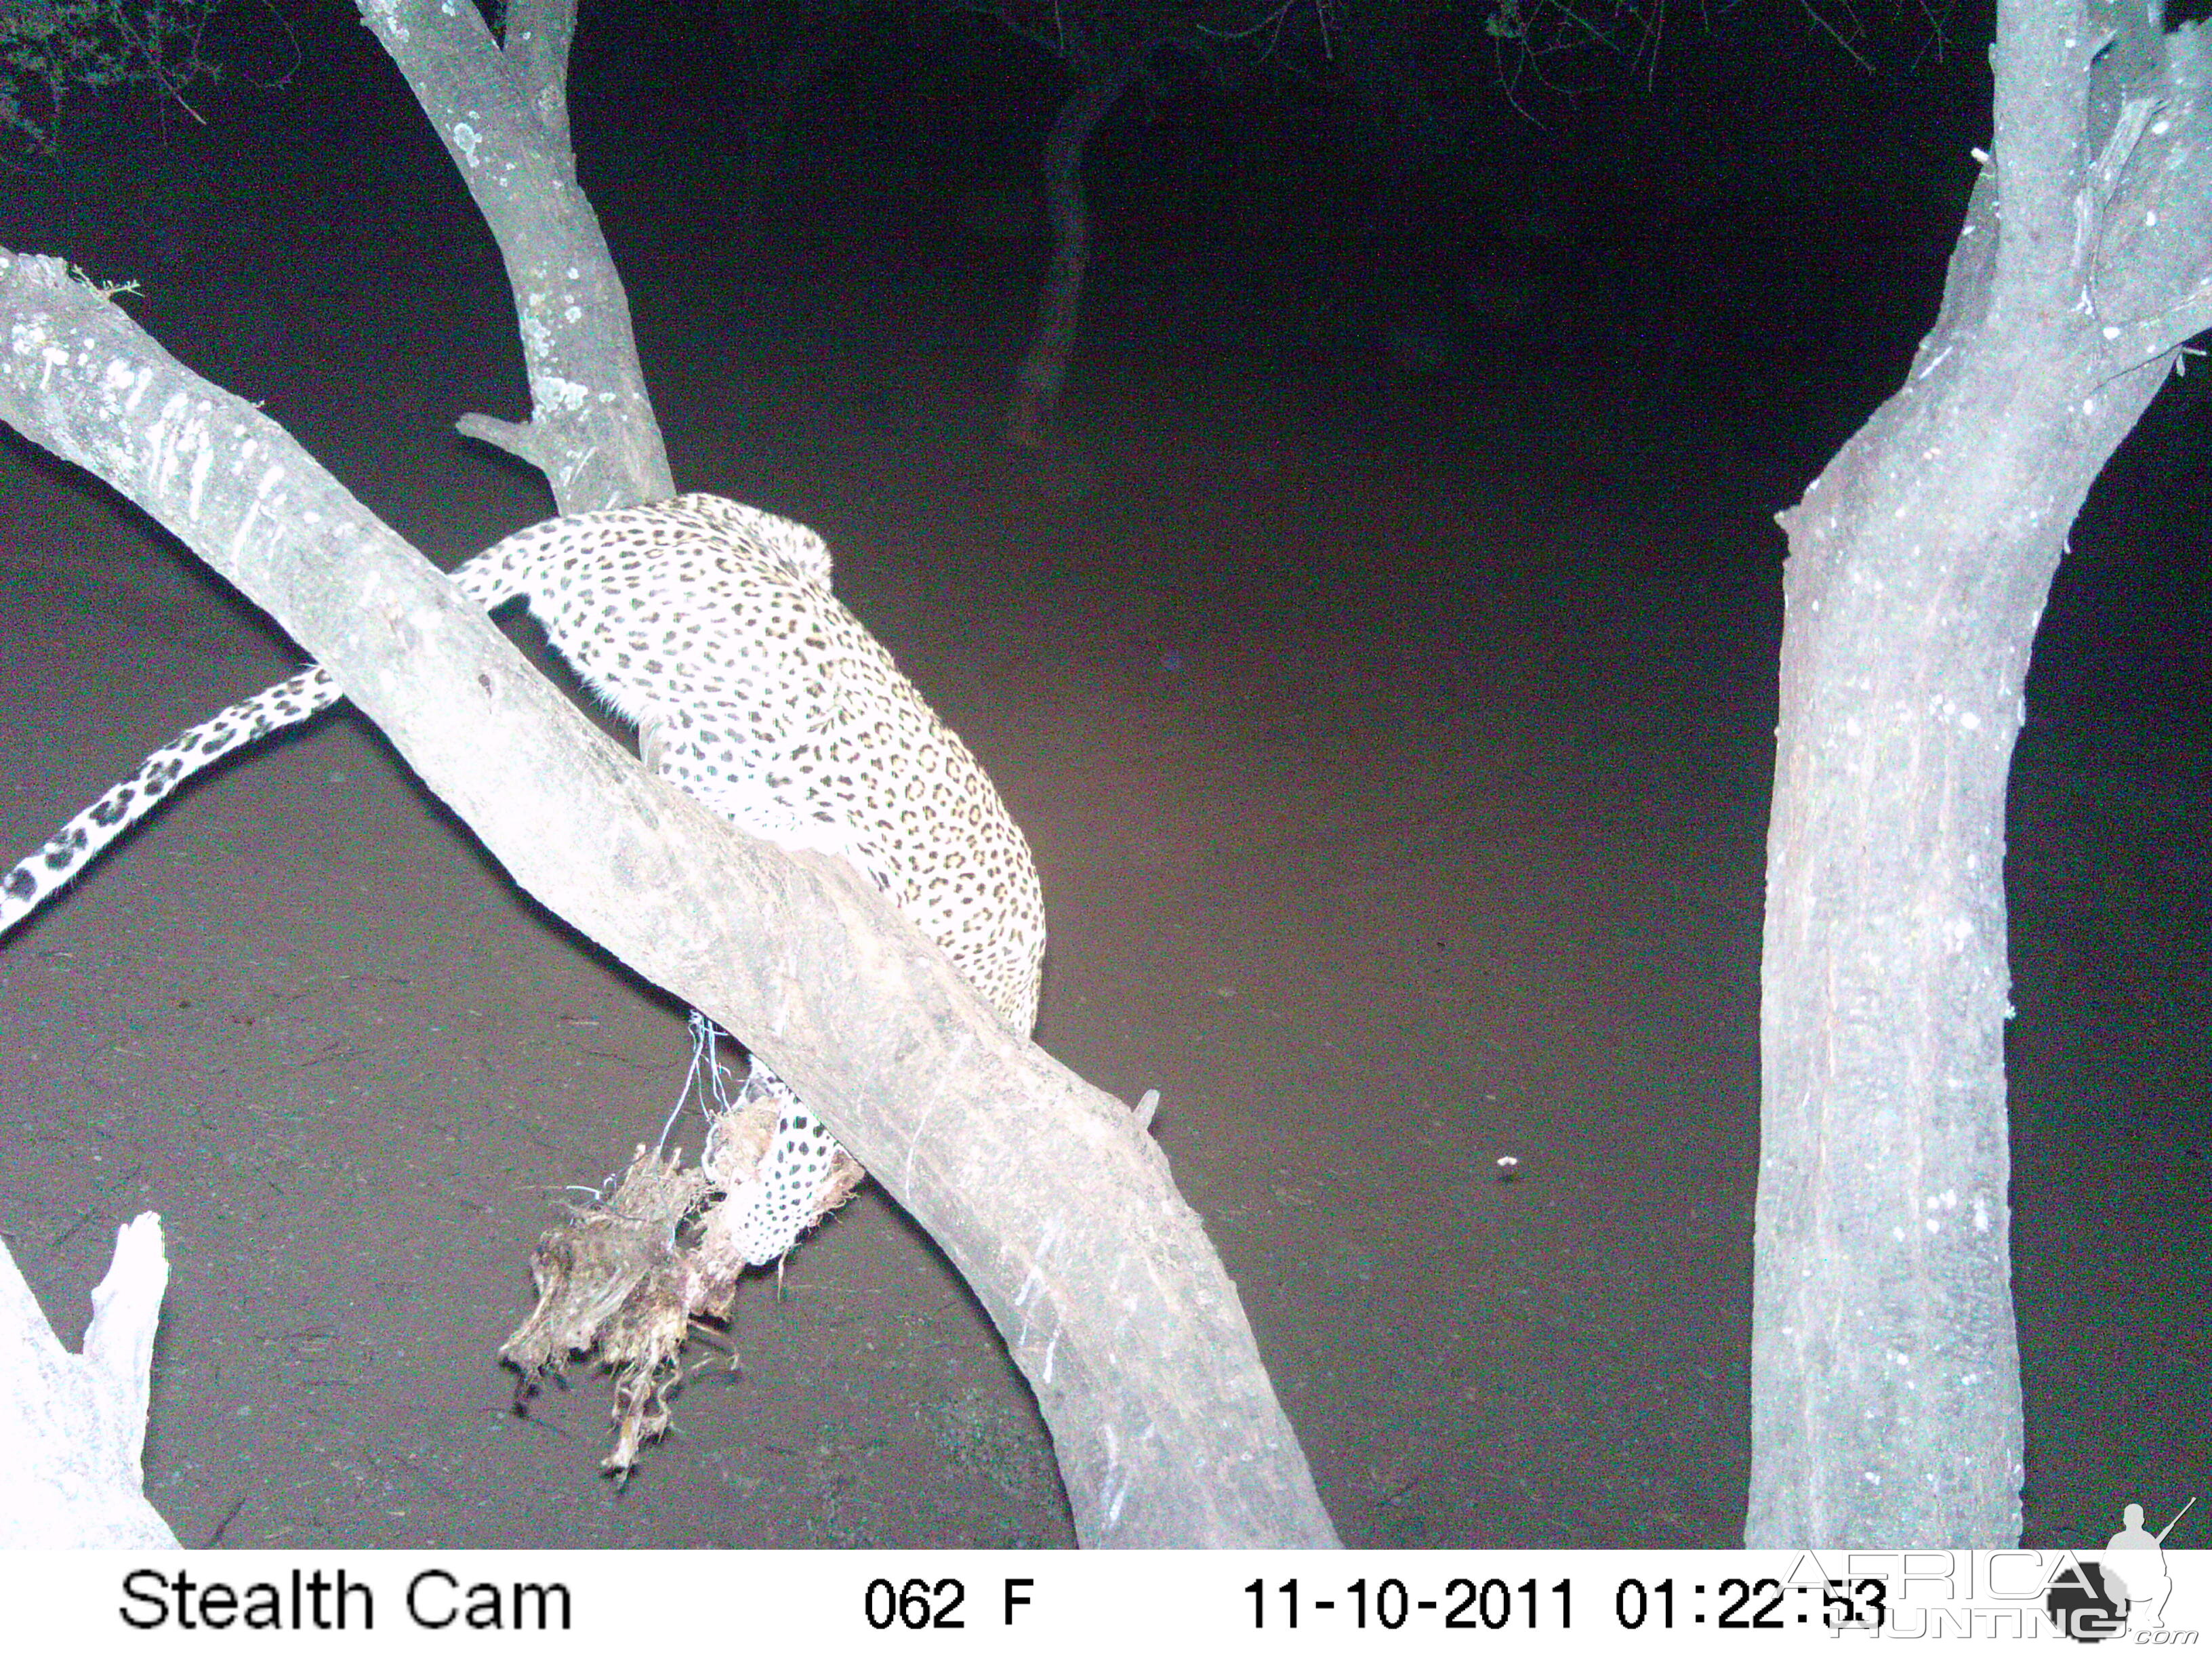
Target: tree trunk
{"points": [[1885, 1375], [73, 1425], [503, 117], [1044, 372], [1047, 1194]]}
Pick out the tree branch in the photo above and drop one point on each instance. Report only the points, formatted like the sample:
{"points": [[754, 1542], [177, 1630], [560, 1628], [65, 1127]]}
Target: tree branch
{"points": [[1048, 1199], [503, 119]]}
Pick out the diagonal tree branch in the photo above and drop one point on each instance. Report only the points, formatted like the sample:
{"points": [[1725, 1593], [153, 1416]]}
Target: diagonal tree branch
{"points": [[1046, 1194]]}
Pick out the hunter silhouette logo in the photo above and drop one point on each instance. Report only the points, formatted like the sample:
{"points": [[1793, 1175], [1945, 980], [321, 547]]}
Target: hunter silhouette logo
{"points": [[2095, 1601]]}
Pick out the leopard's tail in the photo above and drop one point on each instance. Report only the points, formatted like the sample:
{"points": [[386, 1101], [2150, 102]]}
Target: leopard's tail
{"points": [[503, 571], [29, 885], [492, 577]]}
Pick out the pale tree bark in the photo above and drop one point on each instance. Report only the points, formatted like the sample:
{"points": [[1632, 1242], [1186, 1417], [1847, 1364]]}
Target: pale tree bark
{"points": [[73, 1426], [1049, 1196], [502, 115], [1885, 1375]]}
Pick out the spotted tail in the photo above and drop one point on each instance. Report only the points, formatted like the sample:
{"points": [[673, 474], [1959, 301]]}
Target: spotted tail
{"points": [[85, 835], [491, 578]]}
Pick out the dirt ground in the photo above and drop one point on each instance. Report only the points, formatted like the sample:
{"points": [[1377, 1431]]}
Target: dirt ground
{"points": [[1387, 694]]}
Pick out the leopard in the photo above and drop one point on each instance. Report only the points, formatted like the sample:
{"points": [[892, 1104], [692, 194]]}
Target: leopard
{"points": [[711, 626]]}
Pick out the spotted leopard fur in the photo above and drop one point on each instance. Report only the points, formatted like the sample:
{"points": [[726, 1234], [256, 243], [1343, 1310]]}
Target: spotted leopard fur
{"points": [[711, 625]]}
